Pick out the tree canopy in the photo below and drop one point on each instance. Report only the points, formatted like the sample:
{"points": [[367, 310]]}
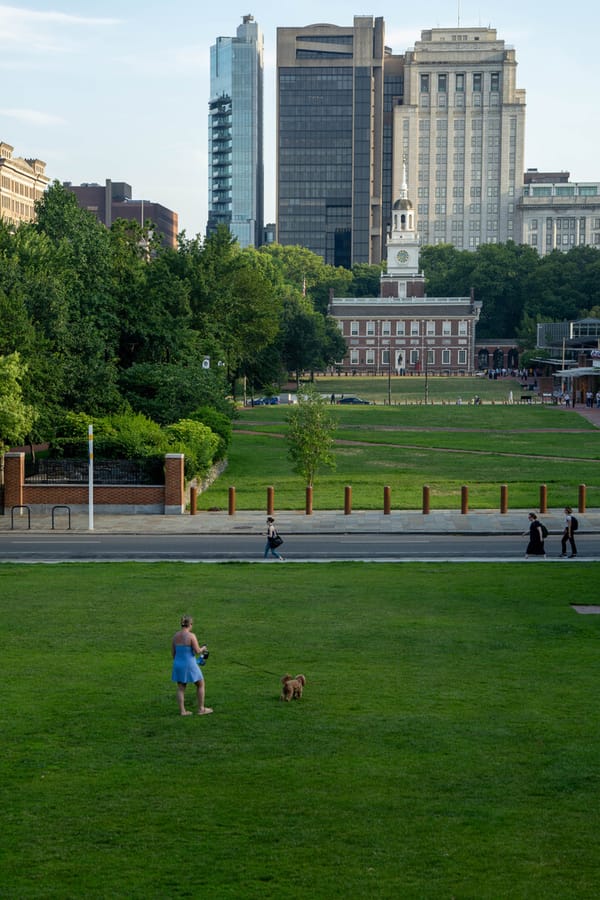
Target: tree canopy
{"points": [[108, 321]]}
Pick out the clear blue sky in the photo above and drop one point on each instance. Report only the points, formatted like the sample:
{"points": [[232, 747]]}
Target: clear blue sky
{"points": [[105, 89]]}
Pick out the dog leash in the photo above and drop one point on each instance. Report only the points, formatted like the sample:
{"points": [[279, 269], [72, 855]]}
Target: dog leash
{"points": [[238, 662]]}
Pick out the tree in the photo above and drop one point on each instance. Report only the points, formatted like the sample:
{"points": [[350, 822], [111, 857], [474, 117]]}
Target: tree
{"points": [[310, 435], [16, 417]]}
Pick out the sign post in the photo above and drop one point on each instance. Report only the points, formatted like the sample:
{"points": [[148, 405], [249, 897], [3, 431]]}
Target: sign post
{"points": [[90, 477]]}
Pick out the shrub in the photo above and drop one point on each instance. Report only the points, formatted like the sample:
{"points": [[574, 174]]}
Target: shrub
{"points": [[217, 422], [197, 441]]}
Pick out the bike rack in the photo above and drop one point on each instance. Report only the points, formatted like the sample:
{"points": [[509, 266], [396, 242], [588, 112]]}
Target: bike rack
{"points": [[12, 516], [68, 508]]}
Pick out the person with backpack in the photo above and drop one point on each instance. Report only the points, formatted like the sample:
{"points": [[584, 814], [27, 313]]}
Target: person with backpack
{"points": [[571, 526], [535, 547]]}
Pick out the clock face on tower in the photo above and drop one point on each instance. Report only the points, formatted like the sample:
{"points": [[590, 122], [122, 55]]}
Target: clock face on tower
{"points": [[402, 257]]}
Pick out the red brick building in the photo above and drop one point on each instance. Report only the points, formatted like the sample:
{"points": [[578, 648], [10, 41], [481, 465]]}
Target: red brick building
{"points": [[403, 331]]}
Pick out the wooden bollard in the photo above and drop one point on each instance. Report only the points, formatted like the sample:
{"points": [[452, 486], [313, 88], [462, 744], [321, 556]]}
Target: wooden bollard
{"points": [[581, 505], [426, 500], [387, 500], [464, 500], [193, 501], [270, 501], [543, 498], [232, 501], [309, 500], [347, 500], [503, 498]]}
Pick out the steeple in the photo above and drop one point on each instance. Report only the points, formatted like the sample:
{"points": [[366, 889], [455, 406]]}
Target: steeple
{"points": [[403, 216], [403, 242]]}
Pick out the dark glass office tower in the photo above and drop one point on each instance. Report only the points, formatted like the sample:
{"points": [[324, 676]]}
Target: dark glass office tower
{"points": [[235, 135], [330, 140]]}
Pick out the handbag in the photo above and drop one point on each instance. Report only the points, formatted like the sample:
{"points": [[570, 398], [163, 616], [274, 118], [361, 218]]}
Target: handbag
{"points": [[275, 541]]}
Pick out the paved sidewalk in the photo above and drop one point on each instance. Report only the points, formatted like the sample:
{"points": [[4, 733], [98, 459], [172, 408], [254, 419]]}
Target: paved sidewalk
{"points": [[290, 521]]}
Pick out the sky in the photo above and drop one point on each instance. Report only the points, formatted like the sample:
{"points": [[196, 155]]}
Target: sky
{"points": [[119, 89]]}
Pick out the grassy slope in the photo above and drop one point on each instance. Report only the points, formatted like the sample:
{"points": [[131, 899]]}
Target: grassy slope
{"points": [[406, 447], [446, 744]]}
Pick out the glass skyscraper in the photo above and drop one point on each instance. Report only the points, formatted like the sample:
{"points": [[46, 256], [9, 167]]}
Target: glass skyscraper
{"points": [[235, 135], [330, 106]]}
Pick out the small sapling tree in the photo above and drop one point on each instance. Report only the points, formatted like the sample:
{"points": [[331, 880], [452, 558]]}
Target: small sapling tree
{"points": [[310, 435]]}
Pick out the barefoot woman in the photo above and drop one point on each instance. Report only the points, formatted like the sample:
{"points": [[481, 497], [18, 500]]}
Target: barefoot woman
{"points": [[184, 649]]}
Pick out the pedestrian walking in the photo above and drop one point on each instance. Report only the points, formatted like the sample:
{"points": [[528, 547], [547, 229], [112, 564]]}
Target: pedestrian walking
{"points": [[535, 547], [273, 540], [571, 526]]}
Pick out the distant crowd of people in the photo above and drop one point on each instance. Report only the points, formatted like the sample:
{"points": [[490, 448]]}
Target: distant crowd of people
{"points": [[591, 400]]}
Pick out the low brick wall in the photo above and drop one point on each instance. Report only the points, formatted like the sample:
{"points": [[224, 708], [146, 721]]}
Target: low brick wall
{"points": [[116, 499]]}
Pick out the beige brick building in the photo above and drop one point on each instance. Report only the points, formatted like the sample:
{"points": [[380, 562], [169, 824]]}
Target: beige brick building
{"points": [[22, 182], [460, 124]]}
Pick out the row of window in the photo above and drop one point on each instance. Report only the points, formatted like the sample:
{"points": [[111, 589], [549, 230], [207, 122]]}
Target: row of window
{"points": [[458, 209], [433, 358], [19, 188], [414, 328], [460, 82]]}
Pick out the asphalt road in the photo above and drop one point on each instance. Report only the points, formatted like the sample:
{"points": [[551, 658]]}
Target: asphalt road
{"points": [[62, 547]]}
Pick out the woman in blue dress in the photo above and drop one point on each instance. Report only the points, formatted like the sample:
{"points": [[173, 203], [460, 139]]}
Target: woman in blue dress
{"points": [[184, 649]]}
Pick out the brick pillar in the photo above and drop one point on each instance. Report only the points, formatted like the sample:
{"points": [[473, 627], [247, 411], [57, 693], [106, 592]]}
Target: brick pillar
{"points": [[174, 485], [14, 478]]}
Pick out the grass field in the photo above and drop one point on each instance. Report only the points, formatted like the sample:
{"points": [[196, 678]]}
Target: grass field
{"points": [[405, 447], [446, 745], [414, 388]]}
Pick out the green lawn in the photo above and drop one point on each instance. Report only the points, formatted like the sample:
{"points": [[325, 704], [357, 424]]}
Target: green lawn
{"points": [[406, 447], [446, 744], [414, 388]]}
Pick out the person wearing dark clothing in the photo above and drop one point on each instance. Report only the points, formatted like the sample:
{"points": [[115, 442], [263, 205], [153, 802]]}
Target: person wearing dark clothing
{"points": [[568, 534], [271, 545], [535, 547]]}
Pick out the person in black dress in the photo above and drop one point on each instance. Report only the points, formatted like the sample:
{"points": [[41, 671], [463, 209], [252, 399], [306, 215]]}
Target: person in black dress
{"points": [[535, 547]]}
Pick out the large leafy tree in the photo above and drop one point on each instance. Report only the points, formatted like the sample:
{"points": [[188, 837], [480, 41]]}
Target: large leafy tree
{"points": [[16, 416], [82, 253]]}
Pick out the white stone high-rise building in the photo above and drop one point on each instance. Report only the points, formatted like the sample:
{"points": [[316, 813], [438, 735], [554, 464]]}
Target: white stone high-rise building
{"points": [[460, 125]]}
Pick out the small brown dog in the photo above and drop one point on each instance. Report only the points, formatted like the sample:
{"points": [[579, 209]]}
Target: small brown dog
{"points": [[292, 687]]}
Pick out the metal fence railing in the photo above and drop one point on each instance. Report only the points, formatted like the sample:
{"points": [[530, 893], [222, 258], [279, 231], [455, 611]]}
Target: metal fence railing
{"points": [[106, 471]]}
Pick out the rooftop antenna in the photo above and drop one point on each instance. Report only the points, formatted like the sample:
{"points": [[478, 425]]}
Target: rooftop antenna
{"points": [[458, 4]]}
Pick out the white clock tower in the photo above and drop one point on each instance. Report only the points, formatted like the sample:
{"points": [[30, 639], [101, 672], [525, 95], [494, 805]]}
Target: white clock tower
{"points": [[403, 241]]}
